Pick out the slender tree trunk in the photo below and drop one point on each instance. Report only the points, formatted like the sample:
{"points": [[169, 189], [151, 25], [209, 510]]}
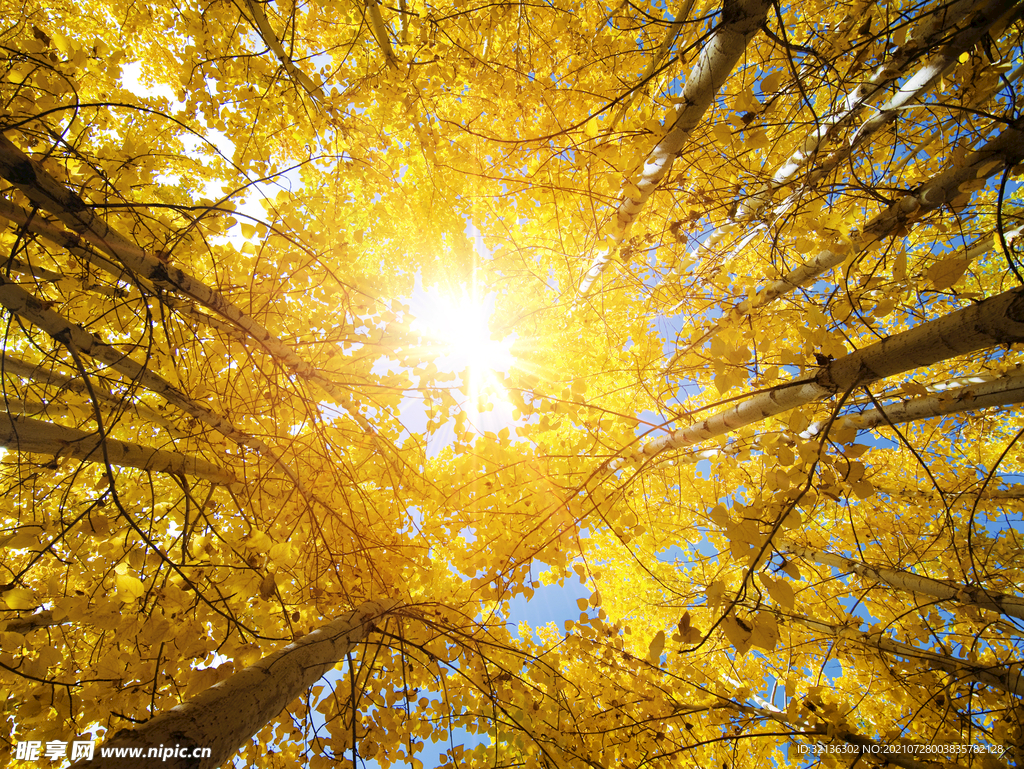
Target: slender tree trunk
{"points": [[819, 734], [266, 31], [380, 32], [1013, 492], [678, 19], [37, 373], [226, 716], [20, 302], [238, 325], [30, 622], [37, 437], [1011, 606], [69, 241], [999, 392], [994, 321], [741, 19], [923, 80], [1000, 677], [47, 193], [937, 26], [1007, 149], [49, 276]]}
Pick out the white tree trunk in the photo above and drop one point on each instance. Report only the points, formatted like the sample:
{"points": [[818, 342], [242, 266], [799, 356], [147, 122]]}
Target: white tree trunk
{"points": [[936, 27], [37, 437], [28, 623], [266, 31], [923, 80], [238, 326], [1009, 605], [227, 715], [49, 276], [994, 321], [37, 373], [678, 19], [1007, 148], [999, 392], [1011, 493], [20, 302], [43, 190], [380, 32], [741, 20], [997, 676], [69, 241]]}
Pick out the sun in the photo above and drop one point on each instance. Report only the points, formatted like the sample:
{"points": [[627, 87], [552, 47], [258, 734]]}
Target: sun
{"points": [[458, 325]]}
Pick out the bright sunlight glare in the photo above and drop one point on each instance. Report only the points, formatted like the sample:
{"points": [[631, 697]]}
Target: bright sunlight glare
{"points": [[457, 323]]}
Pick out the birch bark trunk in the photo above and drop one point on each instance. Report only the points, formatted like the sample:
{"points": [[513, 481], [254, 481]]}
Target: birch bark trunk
{"points": [[741, 19], [999, 392], [40, 374], [23, 304], [999, 677], [37, 437], [968, 595], [229, 713], [266, 31], [238, 326], [47, 193], [994, 321], [1006, 149], [938, 26]]}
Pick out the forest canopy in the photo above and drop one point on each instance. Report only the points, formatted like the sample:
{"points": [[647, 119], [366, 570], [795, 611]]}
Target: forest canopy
{"points": [[362, 321]]}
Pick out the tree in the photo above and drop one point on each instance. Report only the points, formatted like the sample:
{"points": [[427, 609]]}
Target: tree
{"points": [[761, 266]]}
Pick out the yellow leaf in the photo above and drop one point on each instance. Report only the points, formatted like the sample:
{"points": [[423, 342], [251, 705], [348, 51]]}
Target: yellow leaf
{"points": [[657, 646], [770, 84], [738, 634], [267, 587], [780, 591], [863, 489], [947, 274], [19, 598], [129, 588], [591, 128], [766, 631]]}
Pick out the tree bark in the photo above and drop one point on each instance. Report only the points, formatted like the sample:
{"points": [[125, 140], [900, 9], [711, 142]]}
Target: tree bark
{"points": [[1011, 606], [20, 302], [29, 622], [37, 437], [923, 80], [678, 19], [994, 321], [266, 31], [47, 193], [741, 19], [938, 26], [238, 325], [1007, 148], [225, 716], [1001, 677], [999, 392], [37, 373]]}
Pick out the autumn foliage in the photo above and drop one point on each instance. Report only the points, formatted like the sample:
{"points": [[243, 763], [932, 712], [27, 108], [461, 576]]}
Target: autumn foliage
{"points": [[761, 266]]}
